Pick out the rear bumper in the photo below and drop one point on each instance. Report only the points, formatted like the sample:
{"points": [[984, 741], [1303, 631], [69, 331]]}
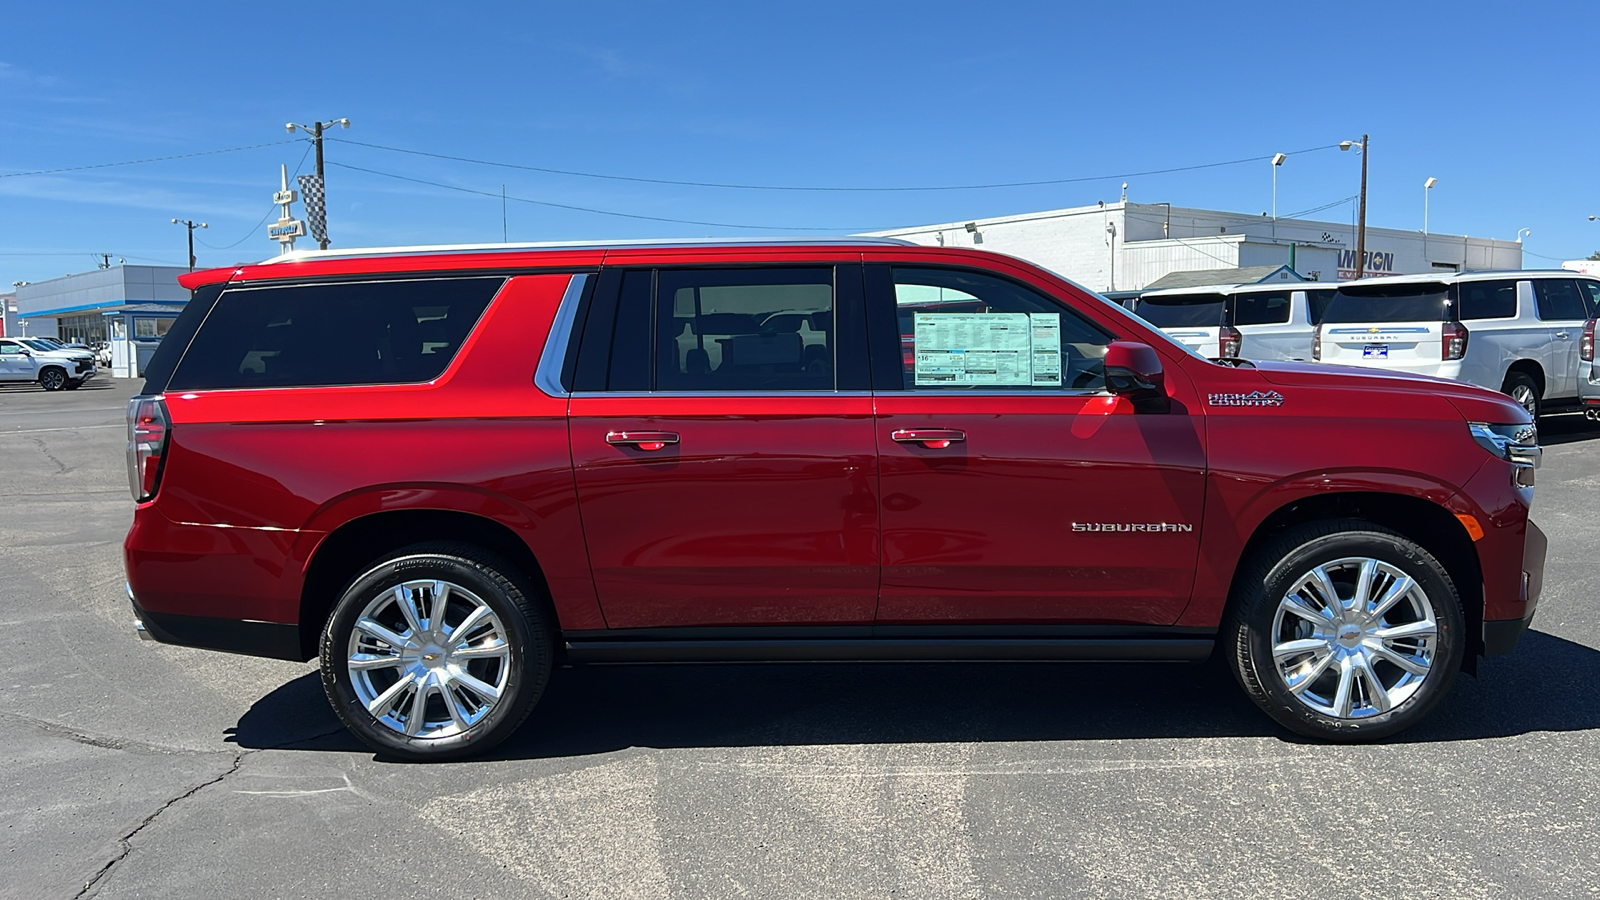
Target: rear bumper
{"points": [[271, 639]]}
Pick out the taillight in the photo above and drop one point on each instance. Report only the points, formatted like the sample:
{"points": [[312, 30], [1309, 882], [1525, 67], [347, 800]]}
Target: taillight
{"points": [[1586, 345], [1229, 340], [1453, 341], [1316, 343], [147, 443]]}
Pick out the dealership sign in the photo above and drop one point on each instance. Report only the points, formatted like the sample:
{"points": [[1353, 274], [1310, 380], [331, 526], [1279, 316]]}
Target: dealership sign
{"points": [[1379, 262]]}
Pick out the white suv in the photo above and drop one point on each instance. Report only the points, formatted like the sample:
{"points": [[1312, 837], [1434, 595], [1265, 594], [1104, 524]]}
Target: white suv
{"points": [[1249, 321], [28, 359], [1518, 332]]}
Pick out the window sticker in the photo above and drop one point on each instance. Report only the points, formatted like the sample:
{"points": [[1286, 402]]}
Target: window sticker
{"points": [[987, 349]]}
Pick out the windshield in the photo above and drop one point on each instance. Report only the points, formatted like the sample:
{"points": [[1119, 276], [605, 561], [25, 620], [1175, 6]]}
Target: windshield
{"points": [[1181, 310], [1390, 303], [37, 344]]}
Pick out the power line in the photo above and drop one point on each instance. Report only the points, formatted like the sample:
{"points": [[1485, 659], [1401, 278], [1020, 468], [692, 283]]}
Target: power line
{"points": [[772, 187], [603, 212], [135, 162]]}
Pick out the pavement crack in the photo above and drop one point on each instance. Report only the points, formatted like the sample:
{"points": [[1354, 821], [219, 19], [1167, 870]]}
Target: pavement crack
{"points": [[102, 741], [125, 842]]}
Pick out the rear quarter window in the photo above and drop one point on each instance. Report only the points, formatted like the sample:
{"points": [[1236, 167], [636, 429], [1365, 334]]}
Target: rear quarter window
{"points": [[1181, 310], [1261, 308], [1488, 300], [379, 332]]}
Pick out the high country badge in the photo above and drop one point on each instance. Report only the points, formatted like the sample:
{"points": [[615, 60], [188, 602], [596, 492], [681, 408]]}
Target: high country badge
{"points": [[1254, 398]]}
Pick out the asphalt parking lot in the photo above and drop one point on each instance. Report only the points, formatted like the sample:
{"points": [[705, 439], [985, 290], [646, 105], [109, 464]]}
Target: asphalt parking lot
{"points": [[138, 769]]}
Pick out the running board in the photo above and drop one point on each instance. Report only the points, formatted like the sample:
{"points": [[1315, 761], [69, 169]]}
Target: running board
{"points": [[868, 649]]}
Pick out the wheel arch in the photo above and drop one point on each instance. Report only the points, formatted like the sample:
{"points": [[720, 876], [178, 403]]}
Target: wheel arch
{"points": [[1530, 368], [351, 548], [1432, 526]]}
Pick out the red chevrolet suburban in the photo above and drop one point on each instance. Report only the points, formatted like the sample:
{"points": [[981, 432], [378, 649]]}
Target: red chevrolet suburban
{"points": [[445, 471]]}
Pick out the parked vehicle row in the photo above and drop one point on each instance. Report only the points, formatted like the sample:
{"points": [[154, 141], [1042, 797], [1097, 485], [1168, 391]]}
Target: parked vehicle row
{"points": [[52, 364], [1528, 334], [790, 451]]}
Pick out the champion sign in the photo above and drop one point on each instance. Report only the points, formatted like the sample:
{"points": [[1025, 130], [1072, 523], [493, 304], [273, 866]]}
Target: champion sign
{"points": [[1378, 262]]}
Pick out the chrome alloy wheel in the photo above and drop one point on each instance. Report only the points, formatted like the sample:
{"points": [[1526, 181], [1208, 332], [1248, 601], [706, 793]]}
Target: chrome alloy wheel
{"points": [[1525, 397], [428, 659], [1354, 638]]}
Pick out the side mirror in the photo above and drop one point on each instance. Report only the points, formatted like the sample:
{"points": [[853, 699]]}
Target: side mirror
{"points": [[1133, 370]]}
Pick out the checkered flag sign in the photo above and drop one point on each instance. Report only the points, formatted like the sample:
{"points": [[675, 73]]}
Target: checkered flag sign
{"points": [[316, 208]]}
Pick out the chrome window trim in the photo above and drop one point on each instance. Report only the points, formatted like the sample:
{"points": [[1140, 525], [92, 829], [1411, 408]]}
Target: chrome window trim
{"points": [[547, 377]]}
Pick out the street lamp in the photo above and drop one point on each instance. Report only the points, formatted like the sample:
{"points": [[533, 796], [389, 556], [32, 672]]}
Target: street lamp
{"points": [[1277, 160], [316, 139], [191, 226], [1427, 186], [1361, 232], [1523, 232]]}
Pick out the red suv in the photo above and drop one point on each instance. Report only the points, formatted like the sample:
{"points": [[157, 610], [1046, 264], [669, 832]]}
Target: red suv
{"points": [[447, 471]]}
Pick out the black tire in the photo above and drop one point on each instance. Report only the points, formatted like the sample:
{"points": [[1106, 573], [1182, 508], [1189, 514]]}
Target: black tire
{"points": [[528, 635], [1249, 634], [52, 378], [1521, 381]]}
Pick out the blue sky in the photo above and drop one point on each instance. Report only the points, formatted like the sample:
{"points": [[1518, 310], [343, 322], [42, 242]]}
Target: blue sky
{"points": [[1495, 100]]}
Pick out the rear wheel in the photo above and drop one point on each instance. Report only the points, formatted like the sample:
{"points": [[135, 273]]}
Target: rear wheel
{"points": [[436, 652], [1522, 388], [1346, 631], [53, 378]]}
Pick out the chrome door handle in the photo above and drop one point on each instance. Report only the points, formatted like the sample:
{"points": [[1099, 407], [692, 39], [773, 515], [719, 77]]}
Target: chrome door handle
{"points": [[1562, 335], [932, 438], [643, 440]]}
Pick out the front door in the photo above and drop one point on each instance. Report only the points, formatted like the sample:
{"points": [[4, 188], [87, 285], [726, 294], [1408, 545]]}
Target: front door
{"points": [[1015, 488], [722, 440], [15, 363]]}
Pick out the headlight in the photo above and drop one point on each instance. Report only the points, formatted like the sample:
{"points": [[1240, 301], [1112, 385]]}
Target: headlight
{"points": [[1516, 444]]}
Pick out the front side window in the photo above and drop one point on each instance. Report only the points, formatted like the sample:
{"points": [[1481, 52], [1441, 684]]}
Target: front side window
{"points": [[386, 332], [1488, 300], [967, 330], [768, 329], [1261, 308], [1559, 300], [10, 348]]}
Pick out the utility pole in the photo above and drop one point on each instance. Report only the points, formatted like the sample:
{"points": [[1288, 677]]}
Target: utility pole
{"points": [[315, 131], [1361, 230], [190, 225]]}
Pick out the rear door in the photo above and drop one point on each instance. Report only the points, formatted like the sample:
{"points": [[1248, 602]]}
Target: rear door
{"points": [[722, 440], [1562, 310], [1015, 488], [1387, 326]]}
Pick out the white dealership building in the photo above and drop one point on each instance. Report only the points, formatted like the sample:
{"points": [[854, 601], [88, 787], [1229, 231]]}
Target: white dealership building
{"points": [[1124, 246]]}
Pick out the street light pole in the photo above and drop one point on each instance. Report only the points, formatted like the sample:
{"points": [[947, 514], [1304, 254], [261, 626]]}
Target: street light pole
{"points": [[315, 131], [1361, 230], [191, 225]]}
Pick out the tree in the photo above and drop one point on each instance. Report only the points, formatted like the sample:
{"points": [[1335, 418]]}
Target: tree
{"points": [[1595, 255]]}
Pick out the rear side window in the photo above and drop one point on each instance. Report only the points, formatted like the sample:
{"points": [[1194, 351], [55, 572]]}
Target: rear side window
{"points": [[744, 329], [1261, 308], [1181, 310], [1317, 303], [1488, 300], [386, 332], [1591, 297], [1390, 303], [1558, 300]]}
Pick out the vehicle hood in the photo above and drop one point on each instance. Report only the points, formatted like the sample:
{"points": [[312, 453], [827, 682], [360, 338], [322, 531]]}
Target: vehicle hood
{"points": [[1476, 404], [65, 354]]}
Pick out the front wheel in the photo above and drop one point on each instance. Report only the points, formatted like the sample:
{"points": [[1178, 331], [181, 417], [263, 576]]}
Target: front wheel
{"points": [[1346, 631], [436, 652], [53, 378]]}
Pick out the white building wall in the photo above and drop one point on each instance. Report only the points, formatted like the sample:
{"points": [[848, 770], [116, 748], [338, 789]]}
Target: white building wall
{"points": [[1153, 239]]}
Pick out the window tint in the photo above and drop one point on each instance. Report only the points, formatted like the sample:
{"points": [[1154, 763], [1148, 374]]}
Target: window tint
{"points": [[1317, 303], [1261, 308], [965, 330], [1591, 297], [744, 329], [1181, 310], [394, 332], [10, 348], [1558, 300], [1488, 300], [1425, 302]]}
